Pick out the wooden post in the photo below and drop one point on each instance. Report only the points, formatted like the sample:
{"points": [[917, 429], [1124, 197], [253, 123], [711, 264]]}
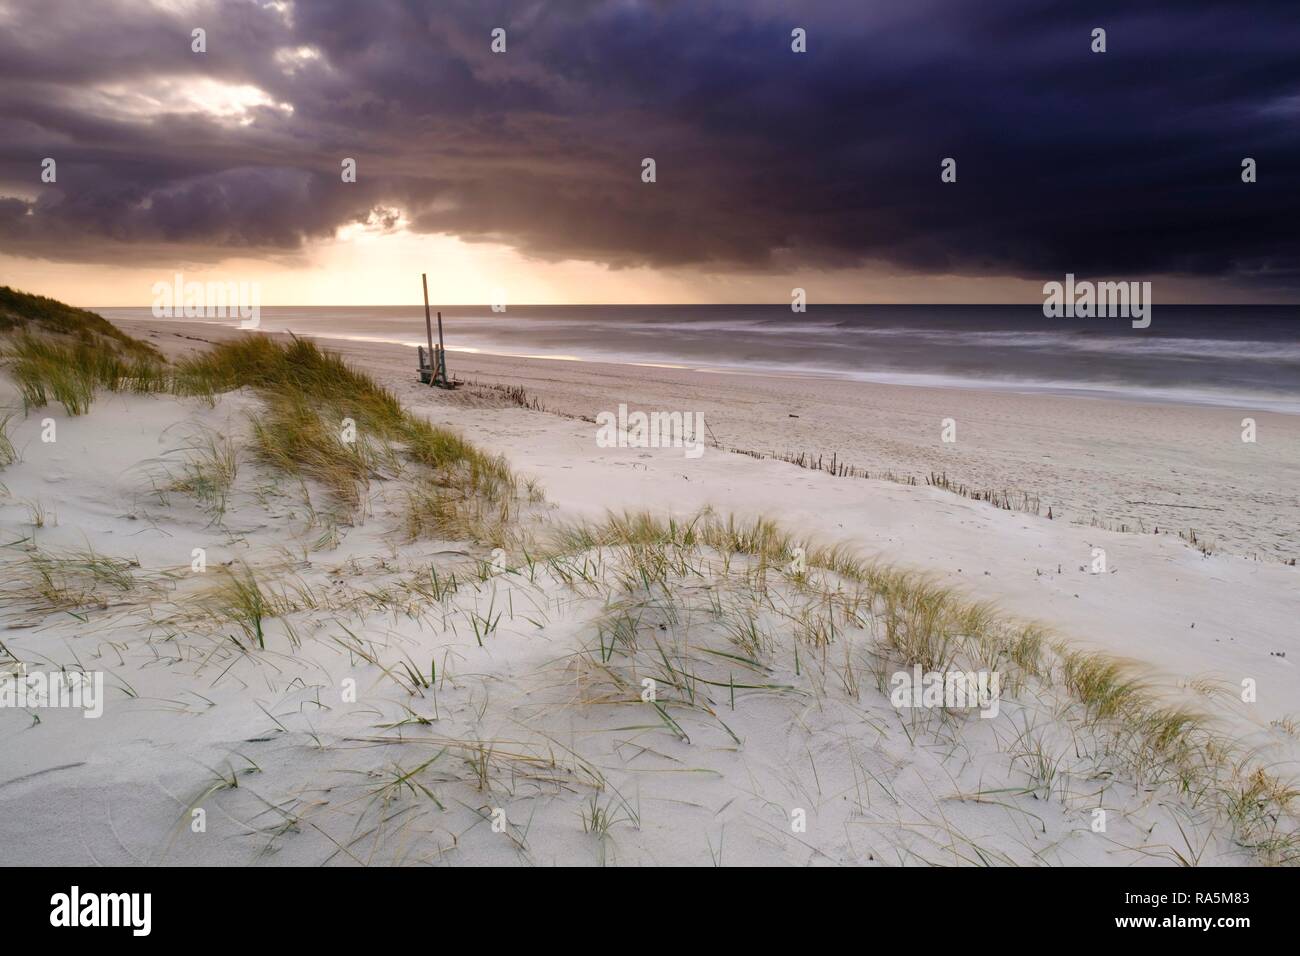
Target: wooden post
{"points": [[428, 324], [442, 354]]}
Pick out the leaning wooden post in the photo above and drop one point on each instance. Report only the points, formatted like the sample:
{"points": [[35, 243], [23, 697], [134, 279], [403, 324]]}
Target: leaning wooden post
{"points": [[428, 324], [442, 354]]}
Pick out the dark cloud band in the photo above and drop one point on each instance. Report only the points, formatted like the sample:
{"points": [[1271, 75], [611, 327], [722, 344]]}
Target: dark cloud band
{"points": [[1120, 163]]}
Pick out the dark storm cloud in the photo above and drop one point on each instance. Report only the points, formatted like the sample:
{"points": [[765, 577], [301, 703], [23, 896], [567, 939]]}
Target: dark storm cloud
{"points": [[1121, 163]]}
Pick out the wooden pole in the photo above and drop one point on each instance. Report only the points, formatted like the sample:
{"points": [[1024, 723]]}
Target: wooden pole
{"points": [[428, 323], [442, 355]]}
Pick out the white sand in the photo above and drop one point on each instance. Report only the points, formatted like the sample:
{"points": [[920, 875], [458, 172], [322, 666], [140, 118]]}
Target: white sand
{"points": [[1145, 466], [121, 789]]}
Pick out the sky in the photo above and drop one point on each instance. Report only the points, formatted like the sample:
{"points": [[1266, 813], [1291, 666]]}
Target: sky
{"points": [[518, 176]]}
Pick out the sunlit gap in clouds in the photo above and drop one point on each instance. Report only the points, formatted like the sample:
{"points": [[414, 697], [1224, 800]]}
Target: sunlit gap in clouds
{"points": [[185, 7], [381, 221], [147, 99], [293, 59]]}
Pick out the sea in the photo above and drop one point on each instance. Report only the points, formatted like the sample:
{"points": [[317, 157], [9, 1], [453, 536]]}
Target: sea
{"points": [[1236, 356]]}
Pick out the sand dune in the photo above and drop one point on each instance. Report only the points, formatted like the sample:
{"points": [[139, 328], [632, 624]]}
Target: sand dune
{"points": [[443, 700]]}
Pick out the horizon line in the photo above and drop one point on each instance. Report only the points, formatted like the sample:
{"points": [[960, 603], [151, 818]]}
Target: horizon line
{"points": [[698, 305]]}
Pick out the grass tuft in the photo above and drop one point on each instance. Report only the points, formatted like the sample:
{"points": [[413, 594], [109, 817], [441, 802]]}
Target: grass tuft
{"points": [[70, 372]]}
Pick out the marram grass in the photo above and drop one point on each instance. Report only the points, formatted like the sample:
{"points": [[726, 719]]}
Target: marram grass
{"points": [[321, 420], [916, 621]]}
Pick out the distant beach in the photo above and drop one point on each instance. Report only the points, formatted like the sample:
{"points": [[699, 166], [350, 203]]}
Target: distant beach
{"points": [[1232, 356]]}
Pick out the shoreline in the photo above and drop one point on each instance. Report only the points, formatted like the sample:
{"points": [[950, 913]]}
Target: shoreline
{"points": [[1216, 399]]}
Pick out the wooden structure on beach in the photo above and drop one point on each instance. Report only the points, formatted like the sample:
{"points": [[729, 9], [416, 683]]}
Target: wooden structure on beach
{"points": [[433, 361]]}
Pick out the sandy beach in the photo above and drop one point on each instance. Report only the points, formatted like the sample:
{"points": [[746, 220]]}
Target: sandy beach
{"points": [[1140, 466], [1097, 464], [383, 716]]}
